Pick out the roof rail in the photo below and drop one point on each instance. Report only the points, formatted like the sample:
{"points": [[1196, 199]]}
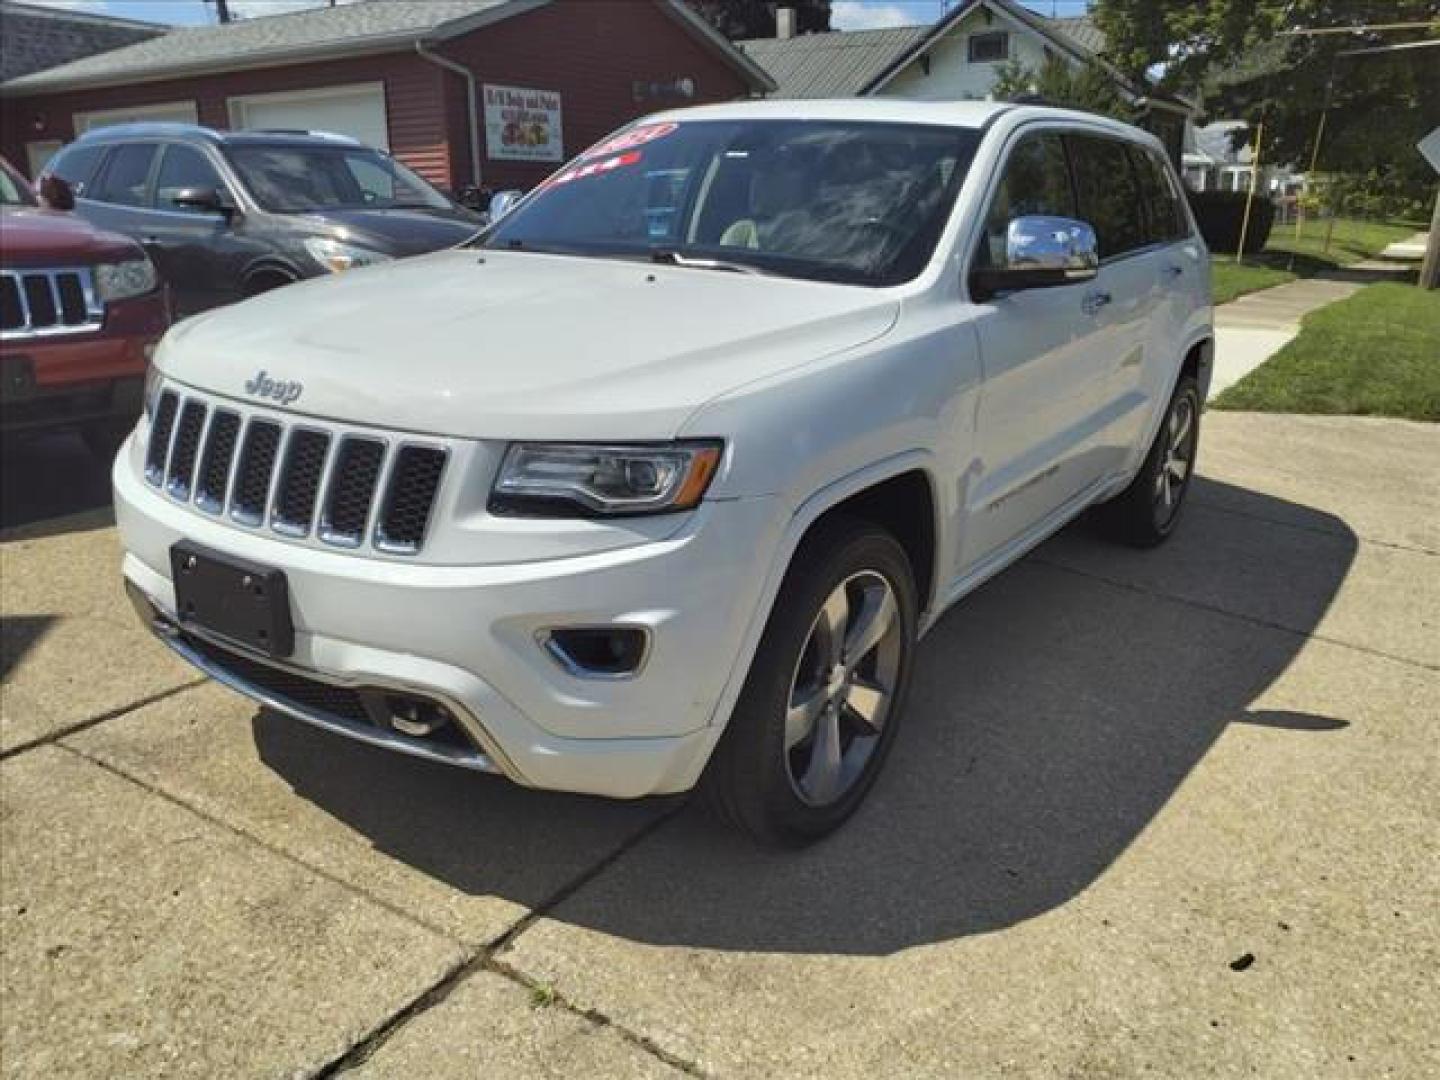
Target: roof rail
{"points": [[149, 127]]}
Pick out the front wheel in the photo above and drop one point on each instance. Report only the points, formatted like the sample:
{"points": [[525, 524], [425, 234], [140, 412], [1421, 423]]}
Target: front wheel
{"points": [[1147, 511], [821, 706]]}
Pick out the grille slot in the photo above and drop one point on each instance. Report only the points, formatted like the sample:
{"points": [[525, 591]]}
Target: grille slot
{"points": [[414, 480], [257, 464], [187, 445], [296, 689], [215, 463], [314, 484], [352, 490], [37, 303], [163, 426], [300, 481]]}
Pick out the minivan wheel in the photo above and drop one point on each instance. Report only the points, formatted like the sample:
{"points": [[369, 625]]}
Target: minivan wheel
{"points": [[1147, 511], [822, 703]]}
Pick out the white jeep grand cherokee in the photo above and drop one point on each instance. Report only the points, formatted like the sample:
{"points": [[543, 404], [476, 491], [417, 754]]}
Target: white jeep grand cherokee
{"points": [[658, 480]]}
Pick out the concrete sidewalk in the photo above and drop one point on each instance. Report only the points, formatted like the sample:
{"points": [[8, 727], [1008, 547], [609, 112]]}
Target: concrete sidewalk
{"points": [[1411, 249], [1253, 328]]}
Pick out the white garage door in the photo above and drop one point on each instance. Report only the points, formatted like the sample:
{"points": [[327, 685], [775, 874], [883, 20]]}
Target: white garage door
{"points": [[357, 111], [172, 112]]}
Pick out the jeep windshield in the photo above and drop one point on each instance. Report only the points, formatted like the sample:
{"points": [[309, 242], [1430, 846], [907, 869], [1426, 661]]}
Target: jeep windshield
{"points": [[286, 179], [847, 201]]}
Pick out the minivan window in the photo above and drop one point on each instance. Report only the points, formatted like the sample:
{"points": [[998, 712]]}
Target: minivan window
{"points": [[76, 165], [1036, 180], [299, 179], [1109, 193], [1166, 217], [851, 201], [183, 167], [126, 175]]}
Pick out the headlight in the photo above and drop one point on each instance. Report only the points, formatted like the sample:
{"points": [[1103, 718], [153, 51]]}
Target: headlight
{"points": [[336, 256], [122, 280], [580, 480]]}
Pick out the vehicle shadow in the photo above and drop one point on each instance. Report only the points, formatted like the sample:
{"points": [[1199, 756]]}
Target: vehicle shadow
{"points": [[52, 484], [1054, 714]]}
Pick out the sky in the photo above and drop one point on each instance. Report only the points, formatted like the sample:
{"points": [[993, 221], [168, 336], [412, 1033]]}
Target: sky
{"points": [[845, 14]]}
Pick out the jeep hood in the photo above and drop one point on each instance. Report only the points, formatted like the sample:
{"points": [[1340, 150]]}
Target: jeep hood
{"points": [[489, 344]]}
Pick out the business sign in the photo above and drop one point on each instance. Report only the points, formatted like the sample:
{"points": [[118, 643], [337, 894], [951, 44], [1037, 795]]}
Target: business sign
{"points": [[522, 125]]}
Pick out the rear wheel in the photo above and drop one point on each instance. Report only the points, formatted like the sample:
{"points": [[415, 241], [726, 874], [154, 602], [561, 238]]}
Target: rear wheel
{"points": [[1147, 511], [822, 703]]}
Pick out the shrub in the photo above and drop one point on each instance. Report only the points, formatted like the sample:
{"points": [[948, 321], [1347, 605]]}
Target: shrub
{"points": [[1221, 214]]}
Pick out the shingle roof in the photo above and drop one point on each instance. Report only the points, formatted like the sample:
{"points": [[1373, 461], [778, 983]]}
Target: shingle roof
{"points": [[1082, 30], [347, 28], [836, 64], [36, 38]]}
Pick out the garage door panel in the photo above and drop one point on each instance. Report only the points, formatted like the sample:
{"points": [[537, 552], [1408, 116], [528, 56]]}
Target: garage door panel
{"points": [[358, 112]]}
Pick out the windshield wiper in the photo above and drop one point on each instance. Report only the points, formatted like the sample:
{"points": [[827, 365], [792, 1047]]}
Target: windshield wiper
{"points": [[674, 258]]}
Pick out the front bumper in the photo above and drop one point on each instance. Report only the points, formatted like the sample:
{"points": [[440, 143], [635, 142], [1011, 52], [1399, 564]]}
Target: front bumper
{"points": [[64, 380], [470, 638]]}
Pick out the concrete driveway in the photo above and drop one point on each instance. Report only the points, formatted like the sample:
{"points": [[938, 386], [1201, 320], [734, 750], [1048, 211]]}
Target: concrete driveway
{"points": [[1170, 812]]}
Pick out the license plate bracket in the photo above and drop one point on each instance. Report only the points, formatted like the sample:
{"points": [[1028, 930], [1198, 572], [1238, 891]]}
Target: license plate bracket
{"points": [[241, 601]]}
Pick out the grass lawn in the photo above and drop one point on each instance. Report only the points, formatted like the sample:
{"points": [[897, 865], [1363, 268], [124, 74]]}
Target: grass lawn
{"points": [[1285, 258], [1375, 354]]}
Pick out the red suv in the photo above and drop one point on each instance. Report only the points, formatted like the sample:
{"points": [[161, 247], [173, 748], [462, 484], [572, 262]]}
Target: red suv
{"points": [[80, 310]]}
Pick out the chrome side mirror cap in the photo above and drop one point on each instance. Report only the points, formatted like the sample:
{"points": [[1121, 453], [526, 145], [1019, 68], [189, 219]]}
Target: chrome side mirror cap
{"points": [[1041, 252], [502, 202]]}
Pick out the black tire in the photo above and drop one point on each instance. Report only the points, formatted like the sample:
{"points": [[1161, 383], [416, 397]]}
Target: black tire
{"points": [[103, 438], [749, 782], [1140, 516]]}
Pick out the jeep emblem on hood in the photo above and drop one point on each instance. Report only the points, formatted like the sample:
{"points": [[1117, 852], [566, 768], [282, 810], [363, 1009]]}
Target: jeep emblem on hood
{"points": [[262, 385]]}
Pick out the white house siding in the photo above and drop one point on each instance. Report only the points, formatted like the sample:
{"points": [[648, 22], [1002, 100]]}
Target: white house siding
{"points": [[952, 76]]}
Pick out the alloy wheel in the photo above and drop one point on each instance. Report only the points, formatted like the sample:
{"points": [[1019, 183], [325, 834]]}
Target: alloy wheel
{"points": [[1177, 458], [842, 689]]}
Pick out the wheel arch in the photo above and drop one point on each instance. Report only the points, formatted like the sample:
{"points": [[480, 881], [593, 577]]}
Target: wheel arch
{"points": [[871, 493], [267, 270]]}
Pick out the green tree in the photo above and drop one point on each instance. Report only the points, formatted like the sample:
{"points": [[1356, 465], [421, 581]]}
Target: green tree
{"points": [[1057, 82], [740, 19], [1241, 56]]}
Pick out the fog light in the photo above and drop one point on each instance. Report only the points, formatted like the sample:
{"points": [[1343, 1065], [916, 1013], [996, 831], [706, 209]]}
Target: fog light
{"points": [[598, 652], [415, 716]]}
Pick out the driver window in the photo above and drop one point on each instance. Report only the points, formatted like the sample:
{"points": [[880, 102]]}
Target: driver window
{"points": [[183, 167], [1036, 181]]}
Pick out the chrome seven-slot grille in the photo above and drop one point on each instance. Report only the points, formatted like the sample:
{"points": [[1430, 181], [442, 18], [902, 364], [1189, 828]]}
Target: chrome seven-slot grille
{"points": [[345, 489], [40, 303]]}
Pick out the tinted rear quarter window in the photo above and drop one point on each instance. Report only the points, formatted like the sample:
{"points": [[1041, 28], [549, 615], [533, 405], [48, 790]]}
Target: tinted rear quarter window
{"points": [[1109, 193], [76, 165], [124, 180]]}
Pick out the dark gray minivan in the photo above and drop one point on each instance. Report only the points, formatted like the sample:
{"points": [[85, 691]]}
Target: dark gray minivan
{"points": [[228, 214]]}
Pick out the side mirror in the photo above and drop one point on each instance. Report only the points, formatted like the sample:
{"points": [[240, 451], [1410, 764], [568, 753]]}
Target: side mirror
{"points": [[207, 199], [55, 193], [1041, 252], [502, 202]]}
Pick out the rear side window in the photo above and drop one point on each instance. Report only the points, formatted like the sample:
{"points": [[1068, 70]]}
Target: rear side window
{"points": [[1165, 218], [1109, 193], [1035, 181], [76, 165], [183, 167], [126, 176]]}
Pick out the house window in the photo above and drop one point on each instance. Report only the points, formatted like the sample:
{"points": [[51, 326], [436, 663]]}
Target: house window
{"points": [[989, 48]]}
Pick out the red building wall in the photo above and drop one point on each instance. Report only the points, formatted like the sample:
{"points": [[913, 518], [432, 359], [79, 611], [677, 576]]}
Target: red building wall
{"points": [[413, 95], [589, 51]]}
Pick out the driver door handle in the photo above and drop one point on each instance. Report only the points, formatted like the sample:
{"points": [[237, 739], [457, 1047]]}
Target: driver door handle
{"points": [[1092, 303]]}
